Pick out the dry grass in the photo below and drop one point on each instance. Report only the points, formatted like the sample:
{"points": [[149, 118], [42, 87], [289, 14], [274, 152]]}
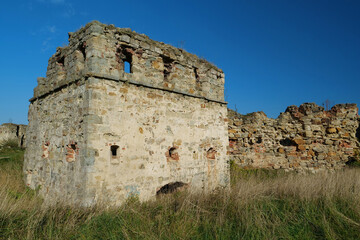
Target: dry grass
{"points": [[343, 184], [260, 205]]}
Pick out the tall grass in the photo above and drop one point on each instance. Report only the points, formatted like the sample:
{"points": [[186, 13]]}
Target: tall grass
{"points": [[259, 205]]}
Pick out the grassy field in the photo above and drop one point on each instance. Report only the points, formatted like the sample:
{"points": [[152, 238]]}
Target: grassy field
{"points": [[260, 205]]}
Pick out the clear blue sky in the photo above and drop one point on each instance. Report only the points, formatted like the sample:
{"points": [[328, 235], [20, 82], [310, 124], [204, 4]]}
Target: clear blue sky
{"points": [[274, 53]]}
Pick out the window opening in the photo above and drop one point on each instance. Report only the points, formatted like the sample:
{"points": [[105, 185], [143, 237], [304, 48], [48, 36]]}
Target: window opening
{"points": [[197, 77], [61, 61], [168, 65], [81, 48], [127, 67], [173, 153], [124, 57], [287, 142], [211, 153], [113, 150]]}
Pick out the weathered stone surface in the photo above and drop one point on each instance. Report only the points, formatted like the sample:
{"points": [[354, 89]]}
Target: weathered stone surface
{"points": [[98, 134], [101, 51], [324, 139], [10, 131]]}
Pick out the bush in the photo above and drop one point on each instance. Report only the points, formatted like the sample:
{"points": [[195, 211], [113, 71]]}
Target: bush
{"points": [[354, 161], [9, 143]]}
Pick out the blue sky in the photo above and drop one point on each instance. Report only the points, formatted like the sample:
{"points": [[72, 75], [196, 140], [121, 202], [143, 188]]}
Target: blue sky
{"points": [[274, 53]]}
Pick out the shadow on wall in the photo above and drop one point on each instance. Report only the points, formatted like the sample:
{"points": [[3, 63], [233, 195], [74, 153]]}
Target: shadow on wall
{"points": [[354, 161], [358, 132]]}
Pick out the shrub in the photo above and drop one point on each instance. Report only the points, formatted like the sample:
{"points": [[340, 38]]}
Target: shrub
{"points": [[354, 161], [9, 143]]}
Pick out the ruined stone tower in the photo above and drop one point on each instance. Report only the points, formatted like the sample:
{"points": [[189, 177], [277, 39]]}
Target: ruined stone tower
{"points": [[121, 115]]}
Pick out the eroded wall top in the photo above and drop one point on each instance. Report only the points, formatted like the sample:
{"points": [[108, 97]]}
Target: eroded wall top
{"points": [[100, 50], [301, 138]]}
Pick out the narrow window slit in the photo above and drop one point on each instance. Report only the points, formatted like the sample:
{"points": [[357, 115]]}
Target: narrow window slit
{"points": [[124, 58], [81, 48], [127, 67], [168, 65], [197, 77], [114, 150]]}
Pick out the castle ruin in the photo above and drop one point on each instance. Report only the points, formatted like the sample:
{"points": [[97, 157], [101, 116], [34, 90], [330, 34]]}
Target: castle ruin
{"points": [[121, 115], [14, 132]]}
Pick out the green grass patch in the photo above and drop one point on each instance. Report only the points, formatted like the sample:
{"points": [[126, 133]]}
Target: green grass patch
{"points": [[11, 158]]}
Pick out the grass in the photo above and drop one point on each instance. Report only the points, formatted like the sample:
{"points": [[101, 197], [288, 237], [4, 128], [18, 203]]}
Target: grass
{"points": [[259, 205]]}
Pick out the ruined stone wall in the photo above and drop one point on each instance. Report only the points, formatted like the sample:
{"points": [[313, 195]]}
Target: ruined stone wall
{"points": [[301, 138], [98, 133], [10, 131], [100, 50], [55, 153]]}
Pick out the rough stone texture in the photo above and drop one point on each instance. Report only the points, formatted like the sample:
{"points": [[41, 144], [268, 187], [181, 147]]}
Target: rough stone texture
{"points": [[98, 134], [10, 131], [301, 138]]}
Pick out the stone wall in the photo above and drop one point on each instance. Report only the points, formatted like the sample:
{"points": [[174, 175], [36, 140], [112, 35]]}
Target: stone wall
{"points": [[161, 138], [99, 134], [10, 131], [301, 138], [56, 145]]}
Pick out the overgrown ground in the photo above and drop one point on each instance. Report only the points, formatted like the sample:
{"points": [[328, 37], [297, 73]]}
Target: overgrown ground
{"points": [[260, 205]]}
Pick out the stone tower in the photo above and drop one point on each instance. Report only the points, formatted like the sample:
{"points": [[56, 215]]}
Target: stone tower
{"points": [[121, 115]]}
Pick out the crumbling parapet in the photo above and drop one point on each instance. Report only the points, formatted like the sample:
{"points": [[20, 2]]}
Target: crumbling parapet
{"points": [[100, 133], [301, 138], [100, 50], [11, 131]]}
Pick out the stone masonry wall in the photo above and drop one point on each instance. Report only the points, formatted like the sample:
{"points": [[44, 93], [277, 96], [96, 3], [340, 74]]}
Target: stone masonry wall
{"points": [[10, 131], [55, 155], [161, 138], [99, 134], [301, 138]]}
